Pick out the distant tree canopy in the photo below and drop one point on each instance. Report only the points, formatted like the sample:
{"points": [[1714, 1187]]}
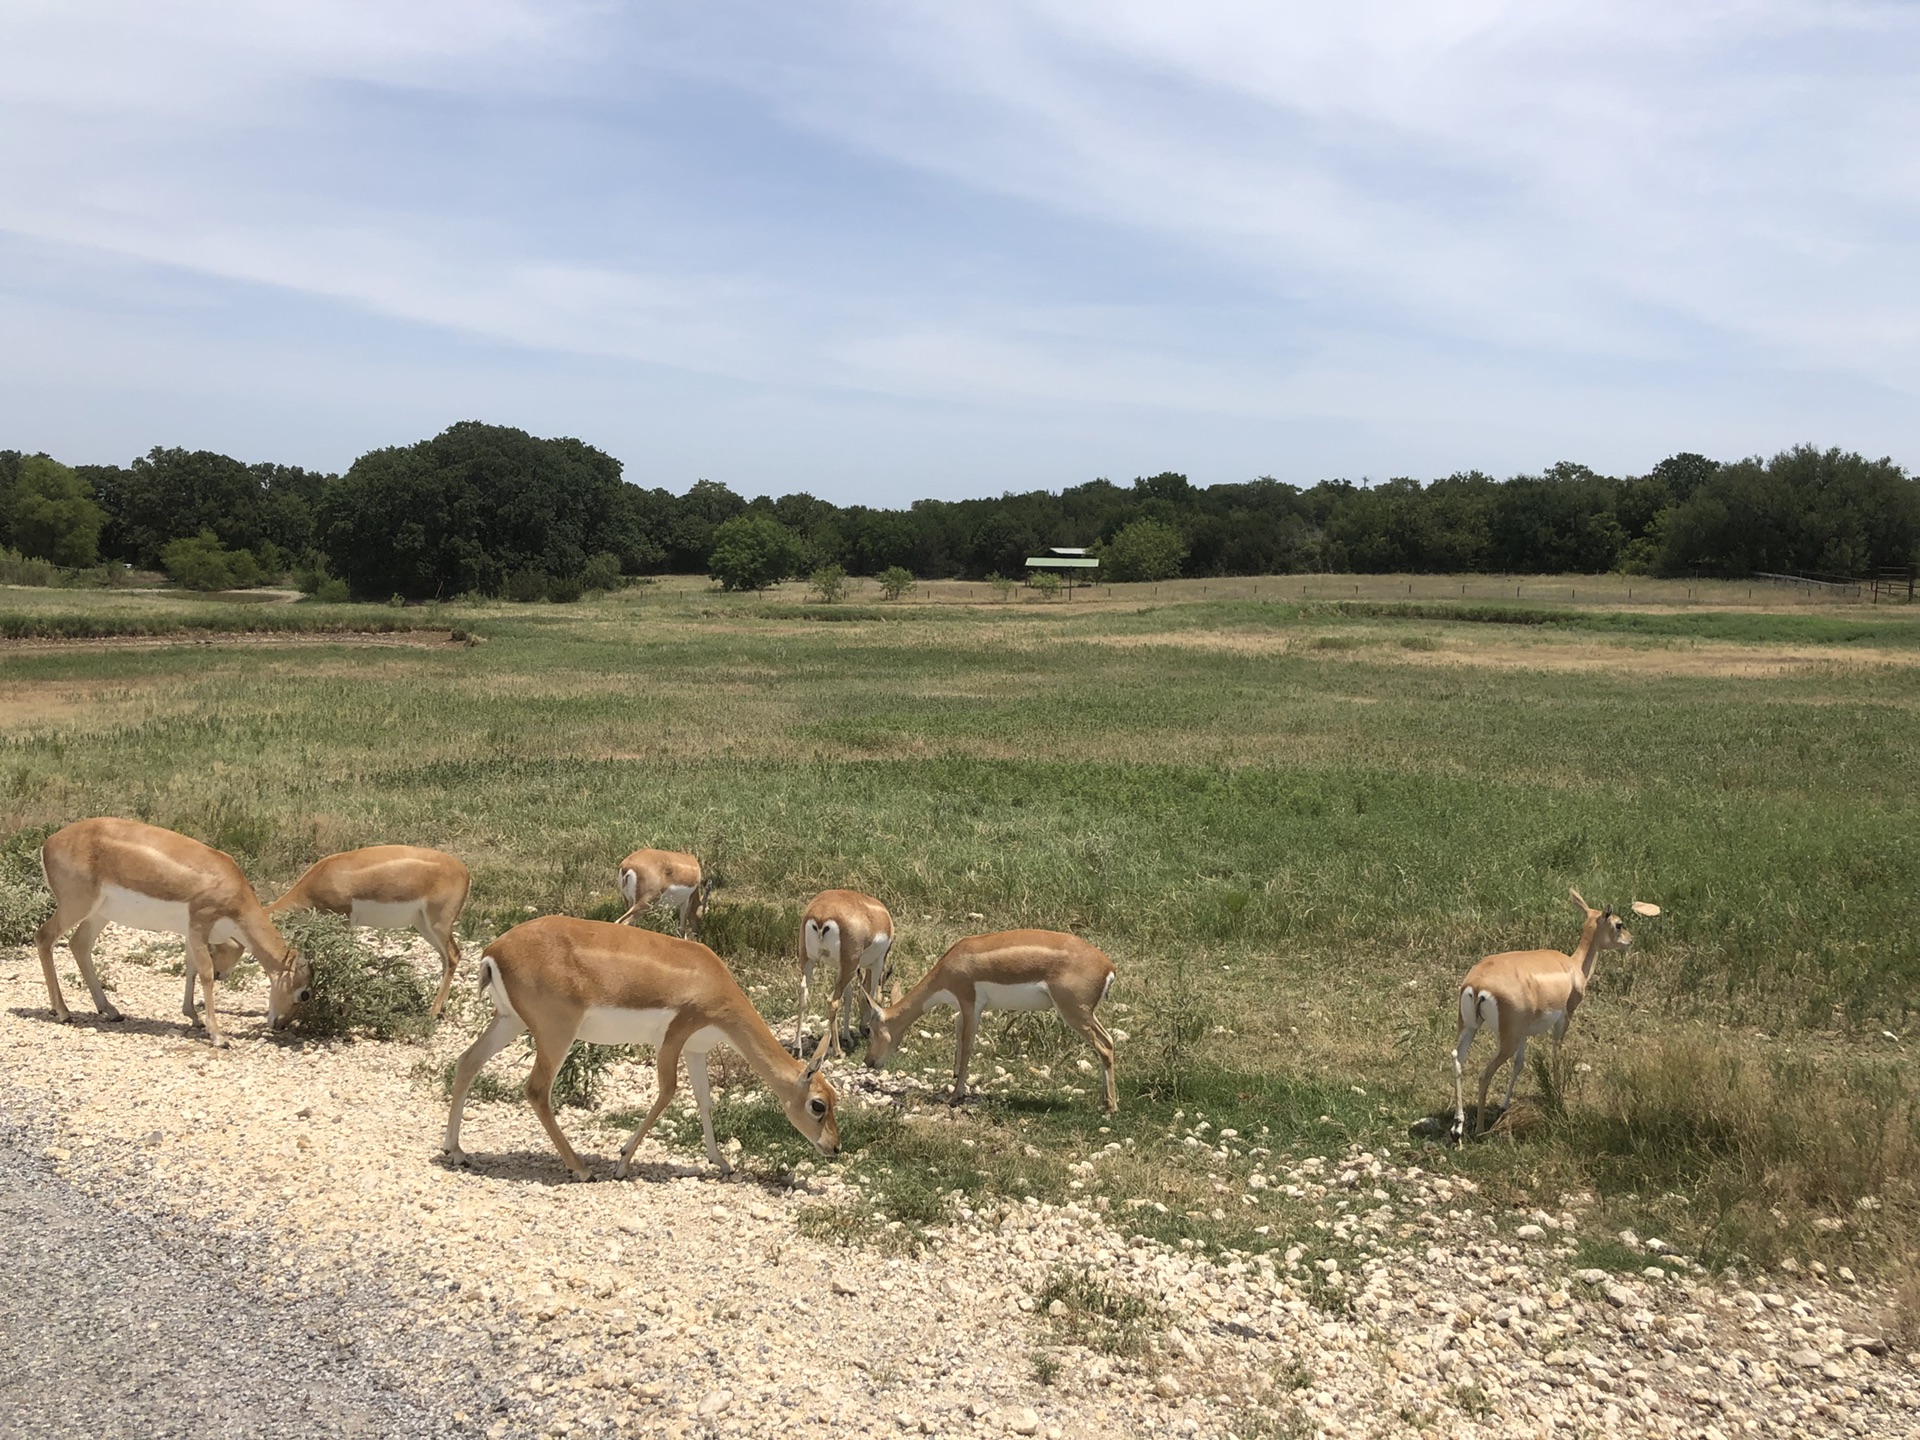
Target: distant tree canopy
{"points": [[492, 509]]}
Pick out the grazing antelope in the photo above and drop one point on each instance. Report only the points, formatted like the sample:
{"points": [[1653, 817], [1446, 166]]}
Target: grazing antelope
{"points": [[1524, 993], [568, 979], [390, 887], [855, 932], [650, 876], [152, 879], [1010, 970]]}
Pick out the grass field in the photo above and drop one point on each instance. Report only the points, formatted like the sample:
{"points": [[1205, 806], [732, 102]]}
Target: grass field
{"points": [[1293, 814]]}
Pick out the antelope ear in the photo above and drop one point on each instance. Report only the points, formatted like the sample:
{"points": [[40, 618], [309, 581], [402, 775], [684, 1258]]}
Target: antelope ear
{"points": [[1642, 907], [893, 991], [1585, 909], [819, 1056]]}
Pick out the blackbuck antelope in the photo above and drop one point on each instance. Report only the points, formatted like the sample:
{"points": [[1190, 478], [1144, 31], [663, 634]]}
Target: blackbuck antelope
{"points": [[566, 979], [152, 879], [854, 931], [1523, 993], [390, 887], [649, 877], [1009, 970]]}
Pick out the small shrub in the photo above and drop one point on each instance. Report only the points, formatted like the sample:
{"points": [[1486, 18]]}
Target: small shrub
{"points": [[203, 563], [332, 592], [829, 584], [1144, 550], [17, 569], [1047, 583], [356, 992], [601, 572], [526, 586], [565, 589], [751, 552], [895, 581], [576, 1084], [1003, 588]]}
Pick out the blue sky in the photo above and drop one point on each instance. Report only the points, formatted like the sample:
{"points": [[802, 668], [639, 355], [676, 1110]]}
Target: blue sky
{"points": [[886, 251]]}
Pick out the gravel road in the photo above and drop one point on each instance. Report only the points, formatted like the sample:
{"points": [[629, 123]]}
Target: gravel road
{"points": [[284, 1197], [113, 1327]]}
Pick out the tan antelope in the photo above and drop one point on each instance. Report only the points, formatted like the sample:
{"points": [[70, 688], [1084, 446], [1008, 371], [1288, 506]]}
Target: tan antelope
{"points": [[854, 931], [566, 979], [1523, 993], [390, 887], [1009, 970], [147, 878], [649, 877]]}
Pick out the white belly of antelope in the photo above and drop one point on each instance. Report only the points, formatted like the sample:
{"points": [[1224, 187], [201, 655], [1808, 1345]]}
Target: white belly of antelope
{"points": [[385, 914], [612, 1025], [1032, 995], [1547, 1020], [674, 896], [144, 912]]}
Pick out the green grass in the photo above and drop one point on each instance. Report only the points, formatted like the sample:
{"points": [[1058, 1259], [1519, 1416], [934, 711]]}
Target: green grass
{"points": [[1292, 850]]}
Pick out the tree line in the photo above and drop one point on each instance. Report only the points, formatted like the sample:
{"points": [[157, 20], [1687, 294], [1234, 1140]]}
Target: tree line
{"points": [[492, 510]]}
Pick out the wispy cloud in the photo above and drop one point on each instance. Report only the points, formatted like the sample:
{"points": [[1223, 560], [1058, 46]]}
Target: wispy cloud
{"points": [[1284, 239]]}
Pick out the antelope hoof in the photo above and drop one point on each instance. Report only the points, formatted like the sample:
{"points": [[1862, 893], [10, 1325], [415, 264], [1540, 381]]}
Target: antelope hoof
{"points": [[111, 1014], [457, 1157], [620, 1169], [219, 1042], [585, 1177]]}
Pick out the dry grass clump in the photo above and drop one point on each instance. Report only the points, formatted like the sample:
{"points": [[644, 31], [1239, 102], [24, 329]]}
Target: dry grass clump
{"points": [[1776, 1155]]}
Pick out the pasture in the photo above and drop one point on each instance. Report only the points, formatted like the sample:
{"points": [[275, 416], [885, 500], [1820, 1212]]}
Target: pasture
{"points": [[1293, 811]]}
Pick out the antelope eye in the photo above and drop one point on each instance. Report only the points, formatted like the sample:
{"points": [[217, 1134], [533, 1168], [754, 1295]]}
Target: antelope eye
{"points": [[300, 996], [817, 1107]]}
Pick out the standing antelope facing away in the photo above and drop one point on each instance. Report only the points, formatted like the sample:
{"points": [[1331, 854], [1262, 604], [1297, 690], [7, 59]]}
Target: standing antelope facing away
{"points": [[1009, 970], [855, 932], [152, 879], [648, 877], [390, 887], [1523, 993], [568, 979]]}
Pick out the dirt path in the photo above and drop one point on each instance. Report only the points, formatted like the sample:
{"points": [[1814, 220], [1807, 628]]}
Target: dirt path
{"points": [[680, 1305]]}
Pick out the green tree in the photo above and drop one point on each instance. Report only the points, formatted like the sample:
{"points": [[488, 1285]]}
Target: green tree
{"points": [[468, 508], [54, 514], [1144, 550], [895, 581], [201, 562], [751, 552], [1047, 583]]}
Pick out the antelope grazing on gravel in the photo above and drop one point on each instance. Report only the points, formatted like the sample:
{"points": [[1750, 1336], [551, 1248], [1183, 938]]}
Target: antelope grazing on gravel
{"points": [[649, 877], [855, 932], [568, 979], [152, 879], [1010, 970], [390, 887], [1523, 993]]}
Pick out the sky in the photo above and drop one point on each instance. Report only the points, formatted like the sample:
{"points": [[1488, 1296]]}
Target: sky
{"points": [[886, 251]]}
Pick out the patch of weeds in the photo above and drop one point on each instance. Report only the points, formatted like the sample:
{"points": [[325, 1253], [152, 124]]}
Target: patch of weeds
{"points": [[859, 1226], [1602, 1252], [1474, 1401], [487, 1088], [576, 1084], [25, 901], [1293, 1375], [1082, 1310], [355, 991], [750, 928], [242, 974], [1046, 1368], [1285, 1422]]}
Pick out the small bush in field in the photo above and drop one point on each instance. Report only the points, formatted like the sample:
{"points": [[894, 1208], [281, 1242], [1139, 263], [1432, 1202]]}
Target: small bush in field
{"points": [[895, 581], [829, 584], [356, 992]]}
